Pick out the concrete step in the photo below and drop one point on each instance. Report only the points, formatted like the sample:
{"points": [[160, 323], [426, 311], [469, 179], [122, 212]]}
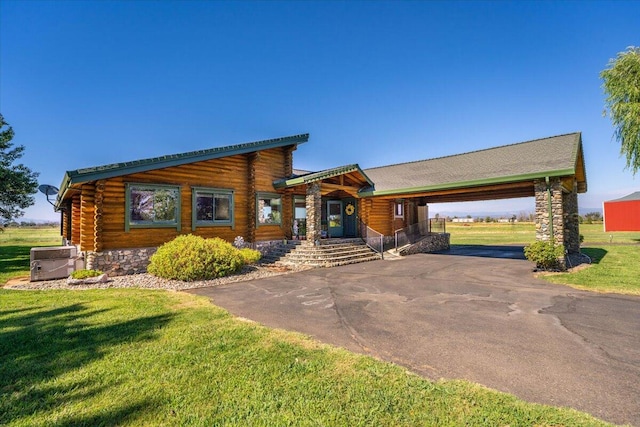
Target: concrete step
{"points": [[328, 254]]}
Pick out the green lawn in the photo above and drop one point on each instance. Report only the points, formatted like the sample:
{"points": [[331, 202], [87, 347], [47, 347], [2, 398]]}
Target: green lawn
{"points": [[140, 357], [15, 247]]}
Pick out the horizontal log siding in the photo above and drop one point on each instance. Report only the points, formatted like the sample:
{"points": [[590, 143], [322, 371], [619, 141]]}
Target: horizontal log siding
{"points": [[380, 214], [270, 165], [226, 173]]}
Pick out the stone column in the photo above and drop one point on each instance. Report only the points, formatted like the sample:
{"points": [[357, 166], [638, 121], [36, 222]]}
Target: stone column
{"points": [[314, 213], [571, 221], [547, 221]]}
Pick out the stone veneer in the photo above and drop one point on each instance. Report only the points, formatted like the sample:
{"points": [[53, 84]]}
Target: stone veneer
{"points": [[120, 262], [430, 243], [314, 213], [564, 210]]}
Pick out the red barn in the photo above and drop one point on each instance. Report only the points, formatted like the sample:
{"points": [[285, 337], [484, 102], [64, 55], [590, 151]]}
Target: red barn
{"points": [[623, 214]]}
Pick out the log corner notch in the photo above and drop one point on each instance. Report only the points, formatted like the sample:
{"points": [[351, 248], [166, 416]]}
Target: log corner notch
{"points": [[252, 160]]}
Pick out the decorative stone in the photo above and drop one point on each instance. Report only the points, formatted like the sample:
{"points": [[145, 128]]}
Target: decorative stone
{"points": [[103, 278]]}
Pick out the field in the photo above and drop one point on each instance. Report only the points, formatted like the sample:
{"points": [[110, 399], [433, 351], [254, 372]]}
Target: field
{"points": [[522, 233]]}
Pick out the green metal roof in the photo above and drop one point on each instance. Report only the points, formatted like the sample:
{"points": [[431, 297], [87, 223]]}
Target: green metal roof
{"points": [[126, 168], [548, 157], [319, 176]]}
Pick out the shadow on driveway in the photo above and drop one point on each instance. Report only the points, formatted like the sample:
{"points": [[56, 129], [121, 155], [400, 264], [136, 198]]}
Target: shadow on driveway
{"points": [[486, 251]]}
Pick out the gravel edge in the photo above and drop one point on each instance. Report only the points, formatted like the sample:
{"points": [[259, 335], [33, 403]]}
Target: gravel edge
{"points": [[147, 281]]}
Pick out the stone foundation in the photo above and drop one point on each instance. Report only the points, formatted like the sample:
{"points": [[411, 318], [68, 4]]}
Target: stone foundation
{"points": [[431, 243], [120, 262]]}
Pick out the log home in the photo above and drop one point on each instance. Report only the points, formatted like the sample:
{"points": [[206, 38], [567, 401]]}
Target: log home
{"points": [[118, 214]]}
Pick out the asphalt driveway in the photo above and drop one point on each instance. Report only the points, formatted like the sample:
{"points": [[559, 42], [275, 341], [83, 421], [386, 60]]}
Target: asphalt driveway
{"points": [[486, 320]]}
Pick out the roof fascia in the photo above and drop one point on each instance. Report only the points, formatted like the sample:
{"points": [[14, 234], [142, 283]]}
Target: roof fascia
{"points": [[464, 184]]}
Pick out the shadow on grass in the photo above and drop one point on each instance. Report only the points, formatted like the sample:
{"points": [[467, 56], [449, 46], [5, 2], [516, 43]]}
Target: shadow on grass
{"points": [[596, 254], [14, 258], [38, 346]]}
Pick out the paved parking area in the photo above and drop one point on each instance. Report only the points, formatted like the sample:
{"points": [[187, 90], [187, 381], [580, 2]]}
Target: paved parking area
{"points": [[478, 318]]}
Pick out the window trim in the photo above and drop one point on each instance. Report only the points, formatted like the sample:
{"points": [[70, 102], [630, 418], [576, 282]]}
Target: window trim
{"points": [[396, 204], [265, 195], [195, 223], [128, 225]]}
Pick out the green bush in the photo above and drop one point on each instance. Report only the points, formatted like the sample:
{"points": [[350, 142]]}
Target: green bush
{"points": [[545, 254], [85, 274], [250, 256], [190, 258]]}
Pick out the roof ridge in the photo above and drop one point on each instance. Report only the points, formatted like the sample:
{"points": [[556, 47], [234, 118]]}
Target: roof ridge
{"points": [[473, 151]]}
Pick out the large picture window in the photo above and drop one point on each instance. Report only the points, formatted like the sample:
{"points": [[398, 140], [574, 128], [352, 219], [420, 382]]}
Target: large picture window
{"points": [[212, 207], [151, 205], [269, 209]]}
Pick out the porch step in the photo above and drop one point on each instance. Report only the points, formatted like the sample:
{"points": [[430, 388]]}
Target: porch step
{"points": [[325, 255]]}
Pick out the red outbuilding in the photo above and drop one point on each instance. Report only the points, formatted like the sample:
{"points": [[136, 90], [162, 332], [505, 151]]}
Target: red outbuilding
{"points": [[623, 214]]}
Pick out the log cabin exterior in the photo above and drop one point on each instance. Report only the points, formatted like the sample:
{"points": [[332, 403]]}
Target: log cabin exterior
{"points": [[118, 214]]}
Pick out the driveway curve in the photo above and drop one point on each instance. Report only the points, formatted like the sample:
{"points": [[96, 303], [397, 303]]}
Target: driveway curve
{"points": [[485, 320]]}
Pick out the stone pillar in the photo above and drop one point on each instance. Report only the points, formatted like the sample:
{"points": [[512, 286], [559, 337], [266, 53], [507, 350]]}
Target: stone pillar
{"points": [[547, 221], [314, 213], [571, 221]]}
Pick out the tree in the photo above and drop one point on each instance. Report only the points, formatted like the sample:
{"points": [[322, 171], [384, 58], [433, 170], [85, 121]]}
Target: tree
{"points": [[17, 182], [622, 88]]}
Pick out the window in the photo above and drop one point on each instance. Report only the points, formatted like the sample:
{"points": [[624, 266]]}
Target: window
{"points": [[269, 209], [152, 205], [299, 217], [398, 211], [211, 207]]}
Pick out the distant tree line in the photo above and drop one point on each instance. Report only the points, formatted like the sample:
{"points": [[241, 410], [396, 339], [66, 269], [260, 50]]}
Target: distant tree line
{"points": [[16, 224]]}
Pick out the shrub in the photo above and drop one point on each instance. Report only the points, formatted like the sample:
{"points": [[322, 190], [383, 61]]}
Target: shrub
{"points": [[190, 258], [85, 274], [250, 256], [546, 255]]}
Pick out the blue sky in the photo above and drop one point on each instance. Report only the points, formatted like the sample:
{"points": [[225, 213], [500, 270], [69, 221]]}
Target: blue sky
{"points": [[92, 83]]}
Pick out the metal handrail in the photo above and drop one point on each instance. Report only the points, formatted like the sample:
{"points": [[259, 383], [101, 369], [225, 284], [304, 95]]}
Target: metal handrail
{"points": [[413, 232], [369, 235]]}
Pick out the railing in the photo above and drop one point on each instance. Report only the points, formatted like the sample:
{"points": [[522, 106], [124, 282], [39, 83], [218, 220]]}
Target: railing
{"points": [[372, 238], [415, 232], [437, 225]]}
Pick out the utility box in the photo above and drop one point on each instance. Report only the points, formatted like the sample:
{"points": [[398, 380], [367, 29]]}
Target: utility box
{"points": [[50, 263]]}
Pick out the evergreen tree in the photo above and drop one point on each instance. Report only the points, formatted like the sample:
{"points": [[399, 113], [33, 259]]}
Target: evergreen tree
{"points": [[17, 182]]}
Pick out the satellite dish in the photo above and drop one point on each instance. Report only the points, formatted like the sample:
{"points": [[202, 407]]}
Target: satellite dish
{"points": [[48, 190]]}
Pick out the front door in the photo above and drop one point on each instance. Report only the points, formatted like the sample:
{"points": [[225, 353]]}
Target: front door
{"points": [[334, 218]]}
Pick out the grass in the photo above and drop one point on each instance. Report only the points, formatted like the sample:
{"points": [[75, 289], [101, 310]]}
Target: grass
{"points": [[615, 268], [15, 247], [140, 357], [492, 233]]}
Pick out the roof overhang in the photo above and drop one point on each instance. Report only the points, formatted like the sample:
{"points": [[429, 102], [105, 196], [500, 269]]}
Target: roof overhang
{"points": [[80, 176], [349, 178]]}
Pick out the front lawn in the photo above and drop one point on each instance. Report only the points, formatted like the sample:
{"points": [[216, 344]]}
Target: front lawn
{"points": [[140, 357]]}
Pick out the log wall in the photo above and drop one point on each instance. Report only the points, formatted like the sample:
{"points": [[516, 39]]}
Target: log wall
{"points": [[101, 225]]}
